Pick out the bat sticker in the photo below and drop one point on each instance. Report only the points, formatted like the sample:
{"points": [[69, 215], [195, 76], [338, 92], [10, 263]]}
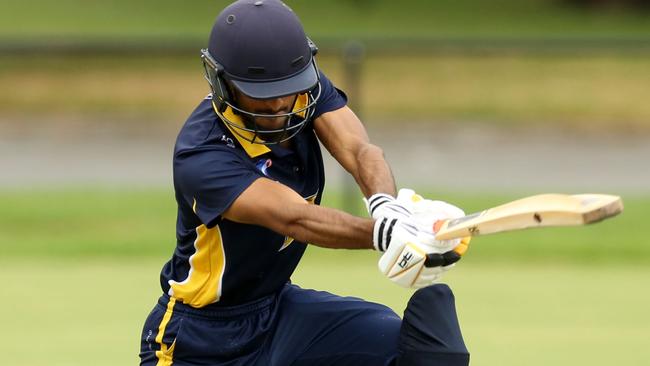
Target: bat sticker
{"points": [[460, 220]]}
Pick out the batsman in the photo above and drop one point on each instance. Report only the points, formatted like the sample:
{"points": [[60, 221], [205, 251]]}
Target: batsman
{"points": [[248, 180]]}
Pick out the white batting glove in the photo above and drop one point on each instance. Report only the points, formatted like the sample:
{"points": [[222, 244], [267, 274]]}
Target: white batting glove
{"points": [[411, 258], [427, 212], [381, 205], [384, 205]]}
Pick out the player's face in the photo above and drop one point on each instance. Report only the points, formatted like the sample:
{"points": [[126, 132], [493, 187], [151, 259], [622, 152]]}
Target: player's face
{"points": [[274, 106]]}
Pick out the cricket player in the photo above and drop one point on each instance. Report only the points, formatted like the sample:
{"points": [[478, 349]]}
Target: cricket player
{"points": [[248, 179]]}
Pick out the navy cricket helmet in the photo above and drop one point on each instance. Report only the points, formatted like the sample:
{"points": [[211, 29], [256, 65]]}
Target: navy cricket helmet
{"points": [[259, 48]]}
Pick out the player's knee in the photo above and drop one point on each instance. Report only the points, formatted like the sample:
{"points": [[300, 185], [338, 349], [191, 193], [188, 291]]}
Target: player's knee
{"points": [[430, 329], [414, 358], [431, 304], [432, 293]]}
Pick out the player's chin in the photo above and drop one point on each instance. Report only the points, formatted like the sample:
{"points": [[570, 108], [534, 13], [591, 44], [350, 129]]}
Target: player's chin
{"points": [[274, 136], [266, 125], [271, 123]]}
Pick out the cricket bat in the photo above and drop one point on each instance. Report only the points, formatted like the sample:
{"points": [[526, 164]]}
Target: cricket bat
{"points": [[535, 211]]}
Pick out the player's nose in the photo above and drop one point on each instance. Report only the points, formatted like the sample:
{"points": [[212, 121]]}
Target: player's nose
{"points": [[276, 105]]}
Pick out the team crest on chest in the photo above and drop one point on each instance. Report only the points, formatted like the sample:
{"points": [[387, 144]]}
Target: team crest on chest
{"points": [[263, 165]]}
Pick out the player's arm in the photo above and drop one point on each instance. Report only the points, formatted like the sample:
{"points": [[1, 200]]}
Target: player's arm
{"points": [[345, 137], [277, 207], [409, 259]]}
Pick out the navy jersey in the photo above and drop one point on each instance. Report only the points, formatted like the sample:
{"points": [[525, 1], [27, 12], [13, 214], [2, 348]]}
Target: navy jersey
{"points": [[217, 260]]}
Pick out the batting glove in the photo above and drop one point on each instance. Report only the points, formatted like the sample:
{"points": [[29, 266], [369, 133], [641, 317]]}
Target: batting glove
{"points": [[425, 213], [382, 205], [411, 258]]}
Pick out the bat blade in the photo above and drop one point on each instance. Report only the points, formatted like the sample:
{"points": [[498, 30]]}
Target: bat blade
{"points": [[535, 211]]}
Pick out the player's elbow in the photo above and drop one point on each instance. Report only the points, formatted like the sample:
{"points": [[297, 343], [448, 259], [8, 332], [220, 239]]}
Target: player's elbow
{"points": [[292, 222]]}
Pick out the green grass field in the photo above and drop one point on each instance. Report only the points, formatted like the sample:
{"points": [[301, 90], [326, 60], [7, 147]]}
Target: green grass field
{"points": [[80, 272], [60, 312]]}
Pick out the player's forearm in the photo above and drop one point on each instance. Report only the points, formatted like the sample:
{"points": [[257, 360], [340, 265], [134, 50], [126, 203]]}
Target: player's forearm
{"points": [[344, 136], [329, 228], [372, 172]]}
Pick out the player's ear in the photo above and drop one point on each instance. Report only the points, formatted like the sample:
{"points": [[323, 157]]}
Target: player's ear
{"points": [[233, 93]]}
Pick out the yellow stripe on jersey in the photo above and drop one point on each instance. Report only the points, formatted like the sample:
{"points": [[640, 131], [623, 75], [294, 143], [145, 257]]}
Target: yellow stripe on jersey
{"points": [[165, 355], [312, 199], [203, 283]]}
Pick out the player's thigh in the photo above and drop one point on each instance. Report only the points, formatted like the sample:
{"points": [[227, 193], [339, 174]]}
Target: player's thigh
{"points": [[318, 328], [183, 336]]}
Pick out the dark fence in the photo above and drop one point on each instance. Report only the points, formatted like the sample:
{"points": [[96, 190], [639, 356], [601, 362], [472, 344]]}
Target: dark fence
{"points": [[181, 46]]}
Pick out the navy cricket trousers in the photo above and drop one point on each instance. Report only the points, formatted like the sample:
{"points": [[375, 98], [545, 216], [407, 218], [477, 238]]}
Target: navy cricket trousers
{"points": [[295, 327]]}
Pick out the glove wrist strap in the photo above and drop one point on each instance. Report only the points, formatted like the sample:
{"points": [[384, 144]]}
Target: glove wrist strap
{"points": [[377, 200], [382, 233]]}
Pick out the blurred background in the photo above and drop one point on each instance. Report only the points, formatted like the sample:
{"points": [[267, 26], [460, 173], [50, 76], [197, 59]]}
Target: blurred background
{"points": [[474, 102]]}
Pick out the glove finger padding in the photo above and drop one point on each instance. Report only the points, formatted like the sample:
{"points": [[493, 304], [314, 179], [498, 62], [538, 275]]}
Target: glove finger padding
{"points": [[440, 208], [429, 238], [430, 275], [426, 281], [450, 257], [427, 212], [408, 197], [463, 246], [444, 259]]}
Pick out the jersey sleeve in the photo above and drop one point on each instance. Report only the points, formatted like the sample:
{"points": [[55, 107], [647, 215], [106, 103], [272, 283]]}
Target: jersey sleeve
{"points": [[330, 98], [211, 180]]}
